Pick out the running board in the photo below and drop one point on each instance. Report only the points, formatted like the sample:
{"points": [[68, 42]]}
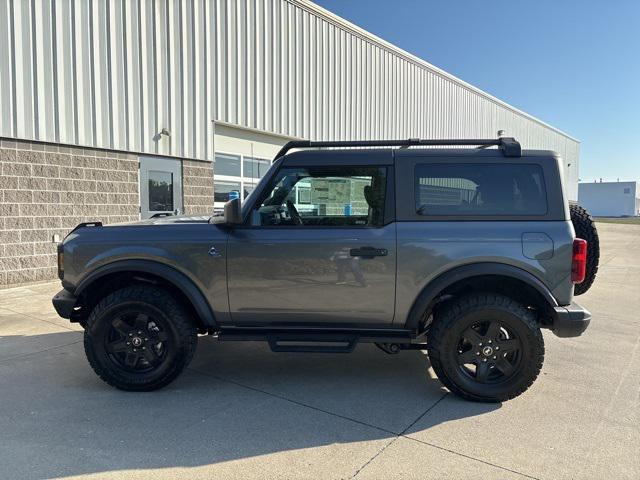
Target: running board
{"points": [[315, 340]]}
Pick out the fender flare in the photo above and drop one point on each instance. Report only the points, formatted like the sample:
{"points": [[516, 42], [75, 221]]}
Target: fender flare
{"points": [[176, 278], [448, 278]]}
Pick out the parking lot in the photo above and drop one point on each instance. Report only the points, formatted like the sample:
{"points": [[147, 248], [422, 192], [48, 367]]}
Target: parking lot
{"points": [[241, 411]]}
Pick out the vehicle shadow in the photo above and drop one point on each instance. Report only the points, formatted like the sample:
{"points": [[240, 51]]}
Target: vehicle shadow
{"points": [[236, 402]]}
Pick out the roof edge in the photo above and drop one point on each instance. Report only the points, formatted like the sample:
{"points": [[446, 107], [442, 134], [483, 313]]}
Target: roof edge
{"points": [[368, 36]]}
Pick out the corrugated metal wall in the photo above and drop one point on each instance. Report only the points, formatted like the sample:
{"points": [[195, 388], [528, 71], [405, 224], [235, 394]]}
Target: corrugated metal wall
{"points": [[113, 73]]}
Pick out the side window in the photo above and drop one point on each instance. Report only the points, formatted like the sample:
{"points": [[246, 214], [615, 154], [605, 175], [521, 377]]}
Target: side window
{"points": [[479, 189], [335, 196]]}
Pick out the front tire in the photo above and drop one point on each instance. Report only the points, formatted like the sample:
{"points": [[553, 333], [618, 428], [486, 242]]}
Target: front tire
{"points": [[139, 338], [486, 347]]}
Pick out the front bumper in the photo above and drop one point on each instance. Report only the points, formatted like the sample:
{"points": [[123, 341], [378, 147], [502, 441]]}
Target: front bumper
{"points": [[570, 320], [64, 302]]}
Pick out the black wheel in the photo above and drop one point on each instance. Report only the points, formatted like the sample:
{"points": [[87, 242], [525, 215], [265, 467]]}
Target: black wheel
{"points": [[139, 338], [486, 347], [585, 228]]}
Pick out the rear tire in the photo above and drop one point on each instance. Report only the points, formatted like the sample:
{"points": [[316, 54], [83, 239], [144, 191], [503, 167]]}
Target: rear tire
{"points": [[486, 347], [139, 338], [585, 228]]}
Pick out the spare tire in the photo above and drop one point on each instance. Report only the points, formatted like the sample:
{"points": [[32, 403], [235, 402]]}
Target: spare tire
{"points": [[585, 228]]}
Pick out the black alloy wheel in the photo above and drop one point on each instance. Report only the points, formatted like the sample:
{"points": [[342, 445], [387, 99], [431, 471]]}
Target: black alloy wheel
{"points": [[139, 338], [486, 347], [489, 352], [138, 342]]}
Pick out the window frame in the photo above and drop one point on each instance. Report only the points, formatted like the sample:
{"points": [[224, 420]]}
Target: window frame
{"points": [[389, 204], [406, 161]]}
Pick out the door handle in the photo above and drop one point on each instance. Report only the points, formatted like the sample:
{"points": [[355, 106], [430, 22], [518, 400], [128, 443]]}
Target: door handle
{"points": [[368, 252]]}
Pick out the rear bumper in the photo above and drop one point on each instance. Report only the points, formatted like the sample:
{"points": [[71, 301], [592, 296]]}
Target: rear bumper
{"points": [[64, 302], [570, 320]]}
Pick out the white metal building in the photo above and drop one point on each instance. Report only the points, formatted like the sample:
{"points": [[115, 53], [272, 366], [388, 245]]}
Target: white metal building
{"points": [[610, 199], [186, 88], [113, 74]]}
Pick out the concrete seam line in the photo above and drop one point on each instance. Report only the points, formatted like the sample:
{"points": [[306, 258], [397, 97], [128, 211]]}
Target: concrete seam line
{"points": [[401, 434], [40, 319], [424, 413], [22, 355], [281, 397], [373, 458], [470, 457]]}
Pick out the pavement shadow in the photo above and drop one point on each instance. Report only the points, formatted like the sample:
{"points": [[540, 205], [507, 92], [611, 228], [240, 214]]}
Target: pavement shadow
{"points": [[236, 401]]}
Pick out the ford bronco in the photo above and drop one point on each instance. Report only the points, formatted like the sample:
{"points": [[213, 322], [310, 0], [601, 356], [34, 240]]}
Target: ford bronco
{"points": [[464, 252]]}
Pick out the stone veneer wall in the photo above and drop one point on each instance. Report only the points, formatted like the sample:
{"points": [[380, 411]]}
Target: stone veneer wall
{"points": [[197, 187], [49, 189]]}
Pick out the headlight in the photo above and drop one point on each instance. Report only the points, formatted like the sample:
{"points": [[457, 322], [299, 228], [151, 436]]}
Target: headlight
{"points": [[60, 261]]}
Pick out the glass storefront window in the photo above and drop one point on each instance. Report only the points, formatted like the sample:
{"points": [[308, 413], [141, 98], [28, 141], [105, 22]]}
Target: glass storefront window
{"points": [[227, 165], [222, 189], [255, 167]]}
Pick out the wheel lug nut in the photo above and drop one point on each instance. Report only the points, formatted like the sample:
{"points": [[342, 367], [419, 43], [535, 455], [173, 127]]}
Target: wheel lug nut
{"points": [[480, 344], [137, 350], [494, 357], [144, 348], [128, 343], [484, 359], [489, 341], [139, 332], [131, 334], [497, 348], [477, 353]]}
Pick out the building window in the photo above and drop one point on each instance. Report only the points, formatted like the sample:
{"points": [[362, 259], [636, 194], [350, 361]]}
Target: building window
{"points": [[479, 189], [234, 172], [228, 165], [254, 167], [222, 190]]}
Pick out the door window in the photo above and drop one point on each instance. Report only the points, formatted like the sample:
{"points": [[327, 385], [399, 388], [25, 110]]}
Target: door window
{"points": [[160, 191], [336, 197]]}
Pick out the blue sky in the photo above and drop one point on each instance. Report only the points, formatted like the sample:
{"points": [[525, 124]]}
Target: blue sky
{"points": [[573, 64]]}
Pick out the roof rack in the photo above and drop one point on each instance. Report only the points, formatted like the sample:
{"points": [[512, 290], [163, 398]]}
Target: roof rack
{"points": [[508, 145]]}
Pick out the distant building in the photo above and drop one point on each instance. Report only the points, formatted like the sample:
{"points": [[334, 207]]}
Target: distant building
{"points": [[610, 199]]}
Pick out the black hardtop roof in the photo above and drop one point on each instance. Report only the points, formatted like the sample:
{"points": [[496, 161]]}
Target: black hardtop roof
{"points": [[509, 146], [386, 156]]}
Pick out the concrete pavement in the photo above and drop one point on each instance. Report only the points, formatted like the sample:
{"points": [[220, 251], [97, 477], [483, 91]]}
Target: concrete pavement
{"points": [[241, 411]]}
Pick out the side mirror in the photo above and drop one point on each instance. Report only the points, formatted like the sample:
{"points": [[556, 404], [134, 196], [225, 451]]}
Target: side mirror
{"points": [[233, 212]]}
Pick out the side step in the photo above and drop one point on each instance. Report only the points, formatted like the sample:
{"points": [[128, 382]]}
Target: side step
{"points": [[318, 344], [315, 340]]}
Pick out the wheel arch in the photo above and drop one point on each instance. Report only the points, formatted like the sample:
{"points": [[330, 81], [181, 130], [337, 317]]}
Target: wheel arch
{"points": [[126, 272], [486, 276]]}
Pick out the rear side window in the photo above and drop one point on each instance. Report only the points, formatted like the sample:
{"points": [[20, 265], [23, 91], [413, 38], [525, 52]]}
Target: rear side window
{"points": [[479, 189]]}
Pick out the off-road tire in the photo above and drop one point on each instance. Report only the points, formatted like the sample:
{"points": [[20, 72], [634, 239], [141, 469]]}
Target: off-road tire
{"points": [[585, 228], [460, 315], [157, 302]]}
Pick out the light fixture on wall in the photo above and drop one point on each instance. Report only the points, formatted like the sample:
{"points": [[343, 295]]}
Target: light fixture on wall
{"points": [[165, 132]]}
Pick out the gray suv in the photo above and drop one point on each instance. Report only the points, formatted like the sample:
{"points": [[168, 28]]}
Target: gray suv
{"points": [[466, 253]]}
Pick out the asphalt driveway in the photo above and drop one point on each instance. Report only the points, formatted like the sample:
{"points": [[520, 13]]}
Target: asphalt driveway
{"points": [[241, 411]]}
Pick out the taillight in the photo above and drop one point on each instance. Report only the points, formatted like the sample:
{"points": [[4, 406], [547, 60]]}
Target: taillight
{"points": [[579, 261]]}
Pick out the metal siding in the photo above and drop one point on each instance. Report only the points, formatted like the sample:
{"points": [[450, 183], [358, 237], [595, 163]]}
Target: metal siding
{"points": [[113, 73]]}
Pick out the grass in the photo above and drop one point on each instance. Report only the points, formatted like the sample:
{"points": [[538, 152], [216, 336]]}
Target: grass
{"points": [[623, 220]]}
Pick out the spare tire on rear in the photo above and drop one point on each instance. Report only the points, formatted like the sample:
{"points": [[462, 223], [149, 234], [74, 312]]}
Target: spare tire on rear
{"points": [[585, 228]]}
